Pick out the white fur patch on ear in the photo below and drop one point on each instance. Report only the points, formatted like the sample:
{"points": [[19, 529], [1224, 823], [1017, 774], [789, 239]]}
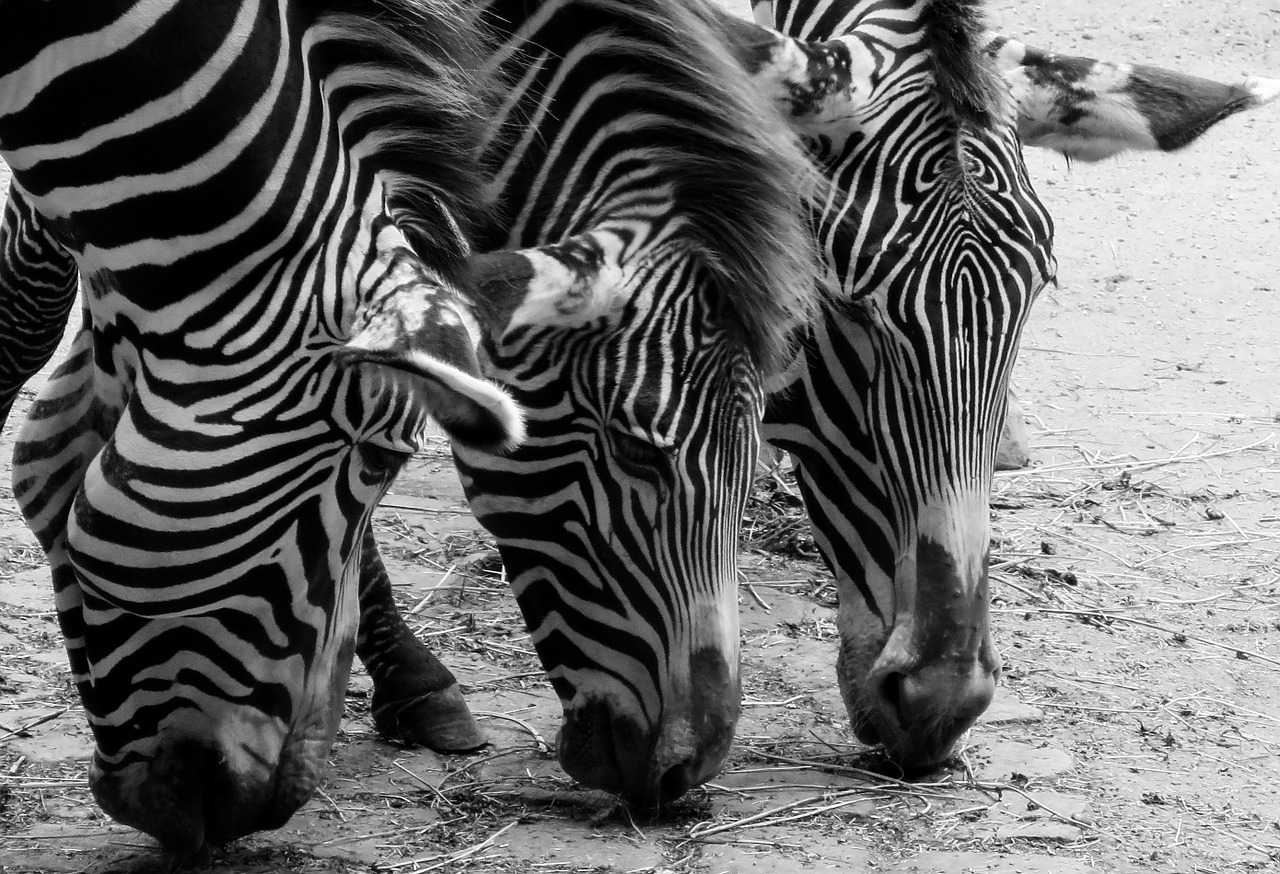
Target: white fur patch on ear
{"points": [[559, 296], [1109, 122], [474, 411], [1263, 90], [1010, 54]]}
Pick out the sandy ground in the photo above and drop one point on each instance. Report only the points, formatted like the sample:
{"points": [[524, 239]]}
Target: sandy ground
{"points": [[1137, 603]]}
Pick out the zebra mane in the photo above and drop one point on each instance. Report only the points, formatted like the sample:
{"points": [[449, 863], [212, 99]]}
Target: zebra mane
{"points": [[742, 177], [409, 71], [967, 84], [406, 74]]}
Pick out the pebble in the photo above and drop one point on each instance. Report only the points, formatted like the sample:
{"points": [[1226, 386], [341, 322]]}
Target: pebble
{"points": [[1008, 710], [1003, 760], [990, 863]]}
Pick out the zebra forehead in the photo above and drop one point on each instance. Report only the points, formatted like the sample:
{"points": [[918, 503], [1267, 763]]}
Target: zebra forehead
{"points": [[967, 83]]}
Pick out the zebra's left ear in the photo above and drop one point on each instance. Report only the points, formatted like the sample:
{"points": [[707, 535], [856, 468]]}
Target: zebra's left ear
{"points": [[570, 284], [421, 334]]}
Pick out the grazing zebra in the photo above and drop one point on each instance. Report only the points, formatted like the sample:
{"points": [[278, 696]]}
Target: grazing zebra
{"points": [[938, 245], [261, 350], [629, 149], [262, 347]]}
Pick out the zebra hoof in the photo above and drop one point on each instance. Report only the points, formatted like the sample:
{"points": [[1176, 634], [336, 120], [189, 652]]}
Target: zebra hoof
{"points": [[439, 721]]}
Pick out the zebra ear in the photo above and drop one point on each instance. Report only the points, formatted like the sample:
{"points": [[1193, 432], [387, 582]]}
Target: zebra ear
{"points": [[567, 285], [423, 340], [1090, 110], [818, 86]]}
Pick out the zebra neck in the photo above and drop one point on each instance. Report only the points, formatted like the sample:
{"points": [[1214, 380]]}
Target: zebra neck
{"points": [[231, 112]]}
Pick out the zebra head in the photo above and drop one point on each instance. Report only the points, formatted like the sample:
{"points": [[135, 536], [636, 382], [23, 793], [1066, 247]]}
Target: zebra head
{"points": [[261, 350], [938, 245], [618, 519]]}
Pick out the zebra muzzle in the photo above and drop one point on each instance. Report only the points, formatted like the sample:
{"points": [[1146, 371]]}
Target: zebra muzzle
{"points": [[604, 746], [192, 792]]}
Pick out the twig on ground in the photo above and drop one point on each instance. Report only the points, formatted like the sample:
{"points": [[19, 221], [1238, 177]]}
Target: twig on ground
{"points": [[755, 596], [10, 732], [538, 739], [440, 796], [432, 591], [1135, 465], [440, 861]]}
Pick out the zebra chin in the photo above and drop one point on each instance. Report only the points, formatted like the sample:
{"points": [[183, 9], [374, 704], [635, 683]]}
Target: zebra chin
{"points": [[193, 792], [207, 778], [603, 746]]}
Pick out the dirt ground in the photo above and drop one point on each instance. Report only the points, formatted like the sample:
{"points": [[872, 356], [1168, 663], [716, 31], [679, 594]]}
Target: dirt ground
{"points": [[1136, 592]]}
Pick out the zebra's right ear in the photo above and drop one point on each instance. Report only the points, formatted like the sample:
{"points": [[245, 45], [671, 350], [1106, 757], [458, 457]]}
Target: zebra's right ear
{"points": [[566, 285], [1089, 110]]}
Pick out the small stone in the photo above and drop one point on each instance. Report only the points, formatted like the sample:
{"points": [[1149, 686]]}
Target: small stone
{"points": [[1008, 710], [991, 863], [1014, 449], [1042, 829], [53, 746], [1007, 760], [1039, 803]]}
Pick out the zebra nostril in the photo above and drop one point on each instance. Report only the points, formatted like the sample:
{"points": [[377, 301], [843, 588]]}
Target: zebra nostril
{"points": [[891, 702], [676, 781]]}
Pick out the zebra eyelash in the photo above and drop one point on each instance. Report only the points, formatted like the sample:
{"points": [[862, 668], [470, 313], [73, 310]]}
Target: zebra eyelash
{"points": [[381, 461], [638, 456]]}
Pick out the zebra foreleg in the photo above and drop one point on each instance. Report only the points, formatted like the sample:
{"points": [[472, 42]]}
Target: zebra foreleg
{"points": [[416, 699], [38, 280]]}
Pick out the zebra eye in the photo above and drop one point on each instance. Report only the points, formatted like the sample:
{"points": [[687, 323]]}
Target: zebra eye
{"points": [[637, 456], [381, 461]]}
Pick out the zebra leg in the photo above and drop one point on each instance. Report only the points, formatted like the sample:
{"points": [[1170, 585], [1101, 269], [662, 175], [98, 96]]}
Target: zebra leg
{"points": [[38, 280], [416, 699]]}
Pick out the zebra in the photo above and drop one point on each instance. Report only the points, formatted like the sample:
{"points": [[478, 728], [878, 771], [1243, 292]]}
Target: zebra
{"points": [[261, 348], [937, 245], [269, 204], [625, 138]]}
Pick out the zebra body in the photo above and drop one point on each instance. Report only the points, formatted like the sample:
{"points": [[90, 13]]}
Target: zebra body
{"points": [[262, 349]]}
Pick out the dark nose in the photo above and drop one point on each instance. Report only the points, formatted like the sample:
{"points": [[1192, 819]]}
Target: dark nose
{"points": [[646, 766], [923, 712], [186, 795], [606, 747]]}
